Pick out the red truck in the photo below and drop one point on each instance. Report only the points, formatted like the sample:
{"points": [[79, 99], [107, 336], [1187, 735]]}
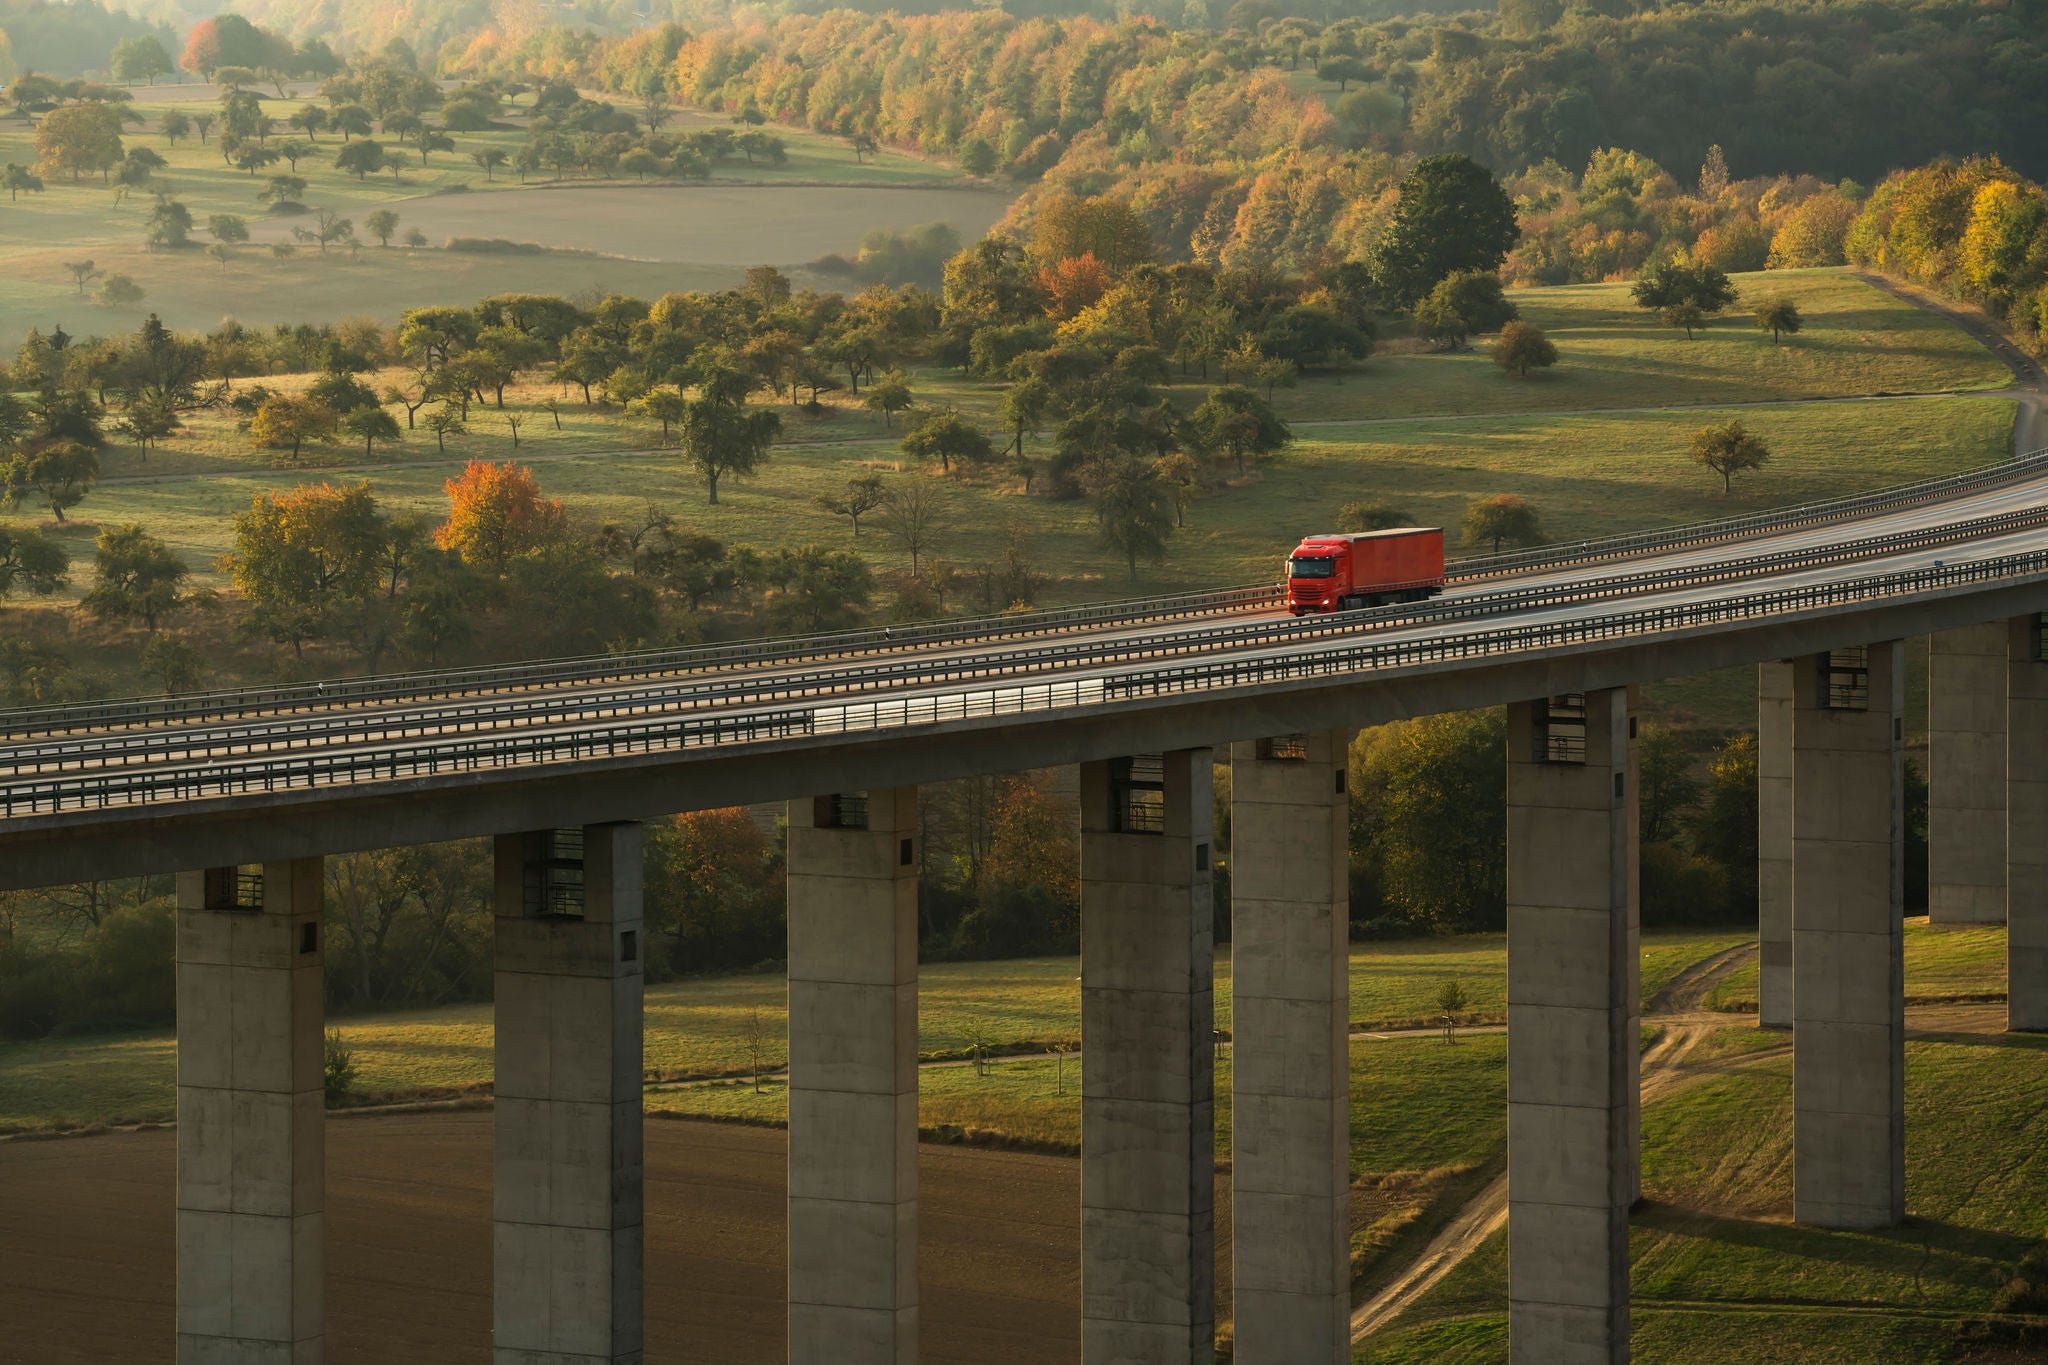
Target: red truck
{"points": [[1365, 569]]}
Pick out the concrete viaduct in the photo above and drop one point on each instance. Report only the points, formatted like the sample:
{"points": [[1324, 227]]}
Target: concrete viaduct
{"points": [[558, 762]]}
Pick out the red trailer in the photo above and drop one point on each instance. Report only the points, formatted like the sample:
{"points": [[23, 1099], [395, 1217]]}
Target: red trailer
{"points": [[1365, 569]]}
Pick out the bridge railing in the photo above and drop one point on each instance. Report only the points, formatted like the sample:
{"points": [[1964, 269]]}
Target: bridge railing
{"points": [[245, 703], [427, 759], [275, 736]]}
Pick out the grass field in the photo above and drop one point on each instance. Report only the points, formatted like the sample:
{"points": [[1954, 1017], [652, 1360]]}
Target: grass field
{"points": [[1721, 1276], [681, 242], [699, 1027], [1943, 963]]}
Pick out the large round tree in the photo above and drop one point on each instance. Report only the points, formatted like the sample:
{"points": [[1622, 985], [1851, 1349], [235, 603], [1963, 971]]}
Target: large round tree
{"points": [[1452, 217]]}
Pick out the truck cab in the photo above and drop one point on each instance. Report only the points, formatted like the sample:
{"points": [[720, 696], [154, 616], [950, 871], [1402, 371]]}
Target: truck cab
{"points": [[1342, 571]]}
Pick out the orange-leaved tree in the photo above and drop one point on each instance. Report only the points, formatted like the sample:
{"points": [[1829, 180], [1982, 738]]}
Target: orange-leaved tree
{"points": [[1072, 284], [497, 511]]}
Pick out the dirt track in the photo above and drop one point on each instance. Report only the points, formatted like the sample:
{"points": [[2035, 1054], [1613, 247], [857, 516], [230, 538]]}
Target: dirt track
{"points": [[86, 1246]]}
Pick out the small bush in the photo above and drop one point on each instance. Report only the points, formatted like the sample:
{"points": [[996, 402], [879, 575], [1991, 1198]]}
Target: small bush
{"points": [[494, 246], [340, 1070]]}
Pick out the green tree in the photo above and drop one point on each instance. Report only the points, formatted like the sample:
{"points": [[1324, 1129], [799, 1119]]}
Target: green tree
{"points": [[889, 395], [169, 225], [1667, 790], [1467, 303], [176, 666], [1341, 71], [62, 471], [300, 558], [944, 436], [1234, 418], [285, 422], [1521, 347], [1672, 285], [135, 575], [32, 561], [818, 589], [445, 421], [119, 291], [229, 228], [1689, 316], [1133, 510], [1430, 807], [1729, 450], [860, 496], [1504, 519], [1451, 216], [488, 160], [721, 436], [18, 178], [371, 423], [1725, 830], [1023, 406], [141, 58], [361, 159], [382, 224], [1779, 316], [173, 125]]}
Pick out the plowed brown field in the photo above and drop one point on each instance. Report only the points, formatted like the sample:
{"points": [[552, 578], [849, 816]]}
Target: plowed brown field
{"points": [[87, 1243]]}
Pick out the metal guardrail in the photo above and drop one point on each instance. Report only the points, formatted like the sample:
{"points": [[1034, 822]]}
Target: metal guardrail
{"points": [[593, 670], [429, 759], [2016, 470], [274, 737]]}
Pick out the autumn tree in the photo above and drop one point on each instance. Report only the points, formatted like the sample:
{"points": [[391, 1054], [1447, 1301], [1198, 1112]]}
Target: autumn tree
{"points": [[1111, 231], [1504, 519], [1729, 450], [135, 575], [914, 515], [889, 395], [1521, 347], [714, 892], [79, 138], [497, 512], [300, 557]]}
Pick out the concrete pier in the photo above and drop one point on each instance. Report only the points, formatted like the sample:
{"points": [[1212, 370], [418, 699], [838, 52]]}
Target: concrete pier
{"points": [[1774, 844], [1573, 1025], [567, 1117], [251, 1102], [2026, 778], [853, 1079], [1966, 743], [1290, 1077], [1848, 993], [1148, 1290]]}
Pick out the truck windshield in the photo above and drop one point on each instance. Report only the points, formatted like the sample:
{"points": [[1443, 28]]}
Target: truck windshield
{"points": [[1304, 567]]}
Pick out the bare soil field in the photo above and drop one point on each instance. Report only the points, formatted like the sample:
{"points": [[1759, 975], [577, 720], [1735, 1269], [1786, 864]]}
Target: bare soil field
{"points": [[700, 225], [87, 1240]]}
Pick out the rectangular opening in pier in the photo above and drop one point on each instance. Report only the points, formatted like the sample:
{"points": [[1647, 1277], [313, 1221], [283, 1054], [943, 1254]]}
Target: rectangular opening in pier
{"points": [[1137, 794], [1844, 676], [554, 873], [842, 810], [1560, 735]]}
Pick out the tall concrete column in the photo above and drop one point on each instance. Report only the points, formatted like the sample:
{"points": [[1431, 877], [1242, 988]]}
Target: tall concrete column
{"points": [[1573, 1026], [1966, 739], [2026, 778], [251, 1155], [1290, 1176], [1774, 844], [566, 1185], [1848, 975], [853, 1079], [1148, 1217]]}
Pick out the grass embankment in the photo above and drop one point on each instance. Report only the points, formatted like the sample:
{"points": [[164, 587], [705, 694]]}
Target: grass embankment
{"points": [[646, 239], [1720, 1274], [700, 1028], [1945, 964]]}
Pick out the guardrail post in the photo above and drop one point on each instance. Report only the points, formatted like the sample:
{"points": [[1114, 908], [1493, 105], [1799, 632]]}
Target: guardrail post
{"points": [[853, 1292], [1966, 739], [1290, 1112], [1573, 1026], [2026, 776], [1848, 991], [1148, 1213], [566, 1188], [251, 1102], [1774, 844]]}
